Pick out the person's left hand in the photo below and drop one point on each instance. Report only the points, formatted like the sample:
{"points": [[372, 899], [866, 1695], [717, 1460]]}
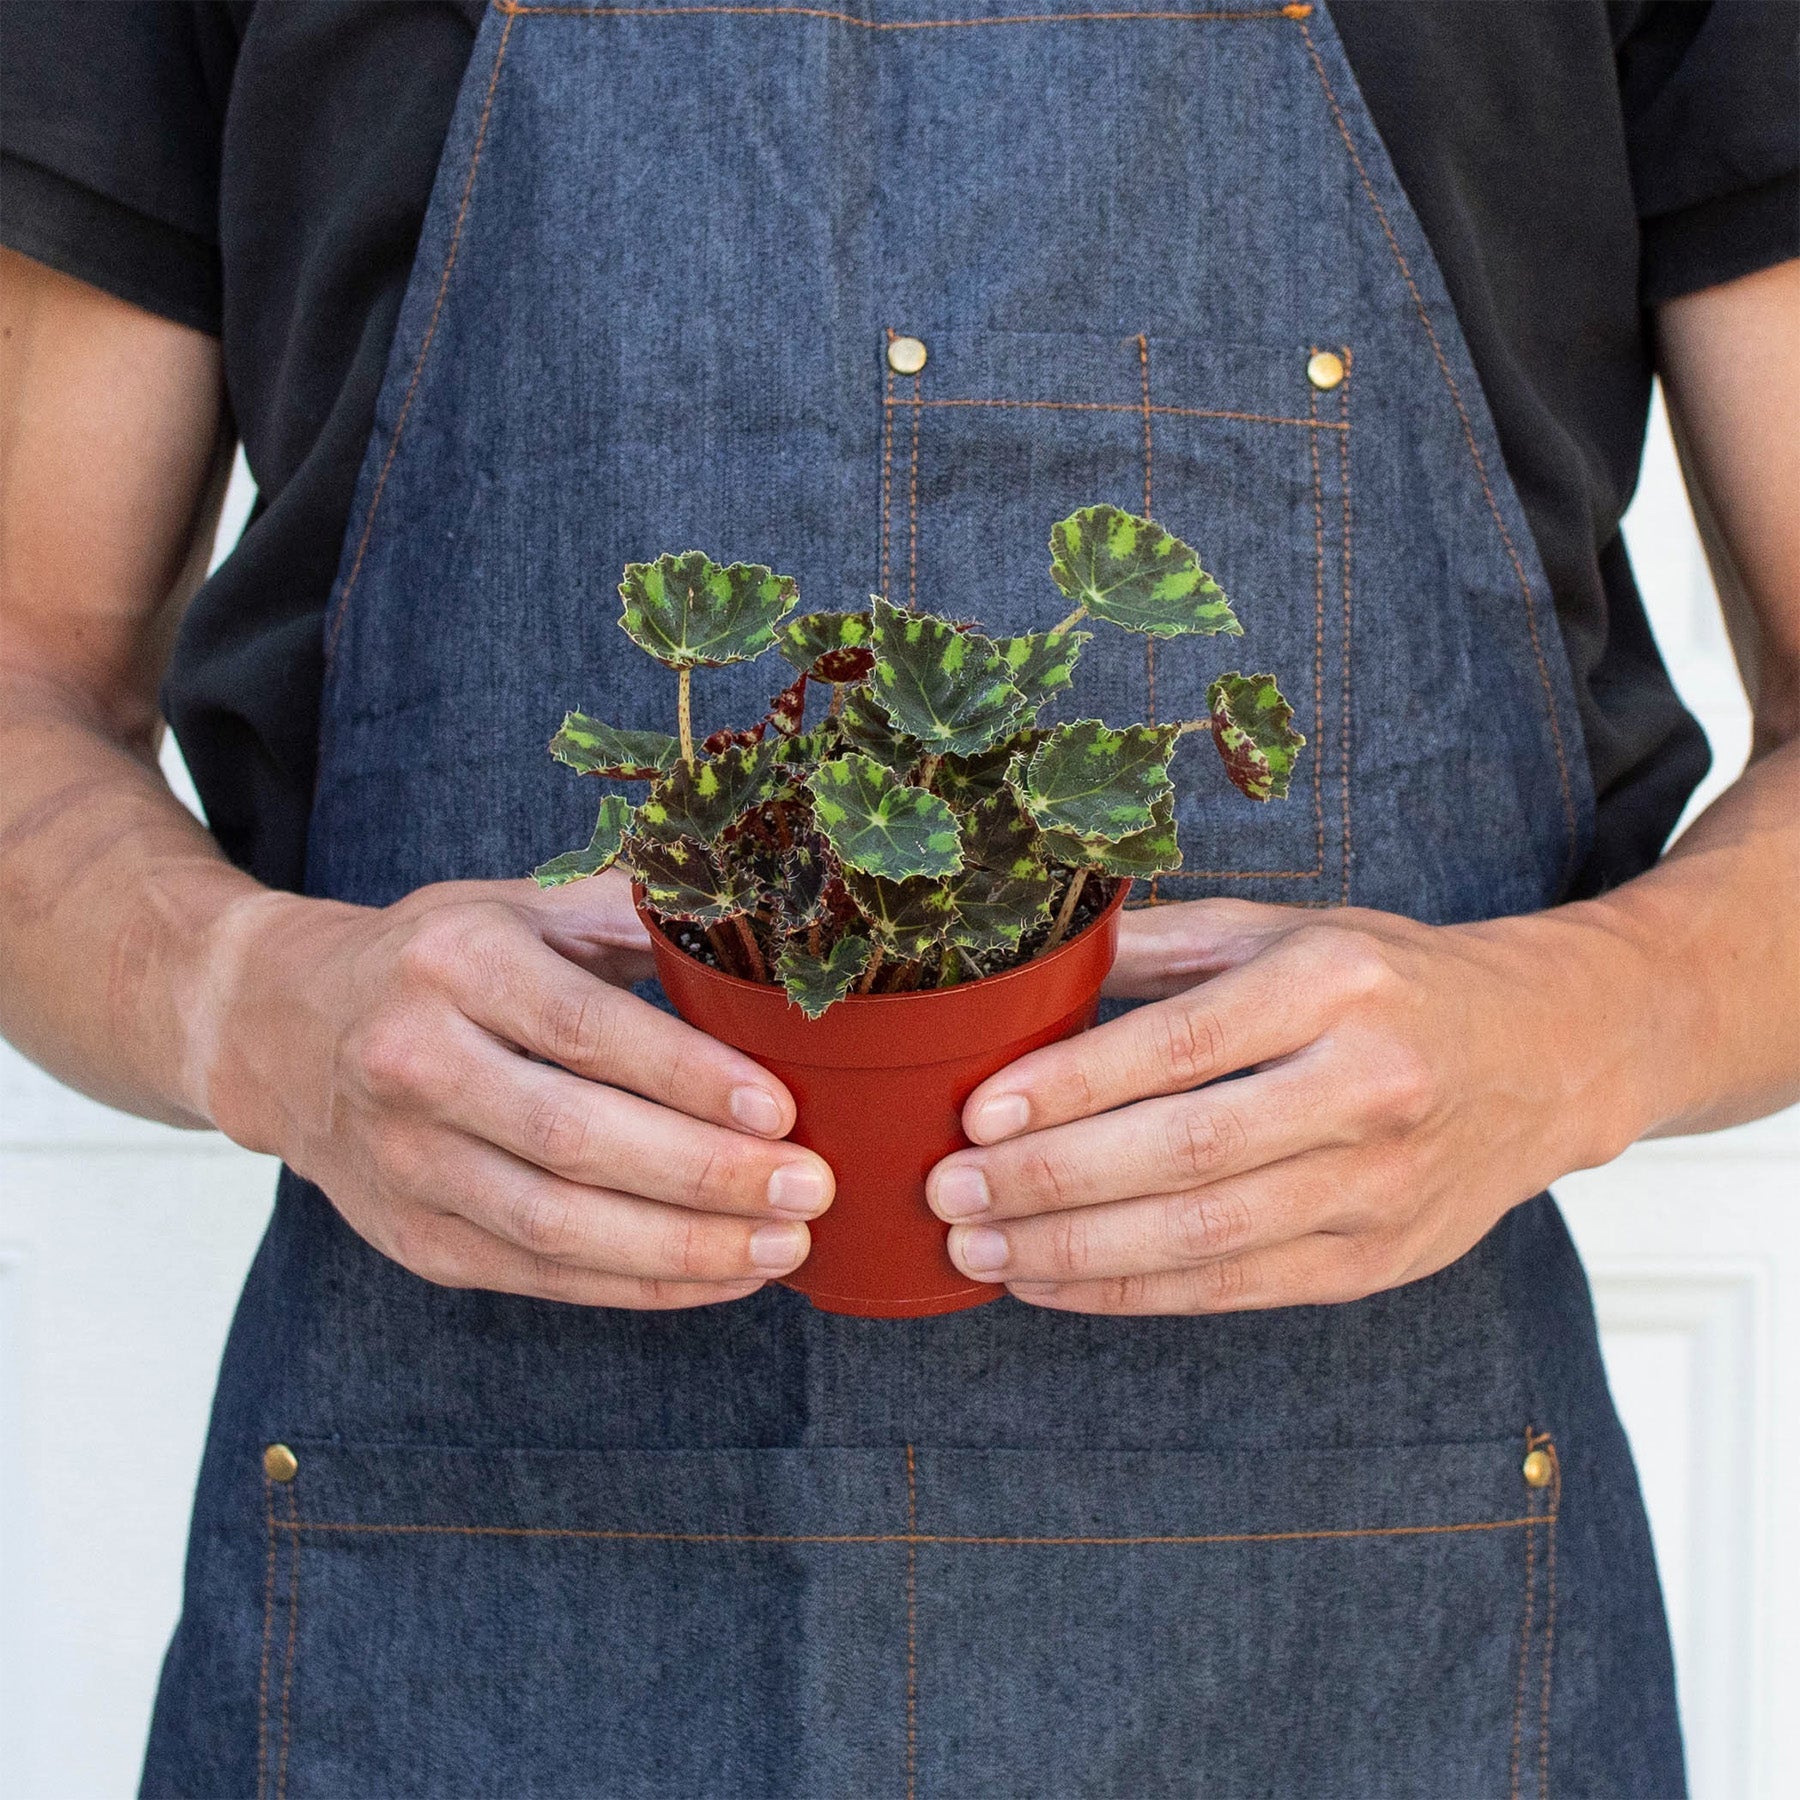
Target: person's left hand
{"points": [[1403, 1086]]}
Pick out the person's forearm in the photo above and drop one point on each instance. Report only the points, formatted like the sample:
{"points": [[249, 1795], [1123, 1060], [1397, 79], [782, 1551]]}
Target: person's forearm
{"points": [[112, 901]]}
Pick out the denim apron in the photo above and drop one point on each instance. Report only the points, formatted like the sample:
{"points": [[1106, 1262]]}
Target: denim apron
{"points": [[1393, 1548]]}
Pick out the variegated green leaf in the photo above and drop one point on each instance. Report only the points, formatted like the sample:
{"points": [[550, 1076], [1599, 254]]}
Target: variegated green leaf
{"points": [[1253, 726], [880, 825], [1156, 850], [806, 871], [1090, 781], [815, 982], [689, 612], [999, 834], [702, 798], [821, 741], [964, 780], [1134, 573], [994, 911], [591, 747], [864, 724], [909, 918], [602, 849], [1039, 665], [947, 688], [829, 646], [686, 879]]}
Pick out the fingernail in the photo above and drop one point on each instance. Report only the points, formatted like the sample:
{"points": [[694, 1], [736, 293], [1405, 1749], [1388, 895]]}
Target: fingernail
{"points": [[777, 1248], [980, 1249], [1002, 1117], [799, 1190], [960, 1192], [756, 1109]]}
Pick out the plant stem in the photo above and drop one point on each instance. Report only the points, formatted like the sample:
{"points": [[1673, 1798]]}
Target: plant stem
{"points": [[1070, 622], [721, 948], [812, 939], [837, 700], [759, 970], [1067, 913], [684, 712], [946, 975], [869, 974], [1188, 725], [928, 767]]}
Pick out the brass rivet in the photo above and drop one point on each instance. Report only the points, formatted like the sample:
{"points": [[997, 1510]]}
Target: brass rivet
{"points": [[906, 355], [1325, 369], [280, 1463], [1537, 1469]]}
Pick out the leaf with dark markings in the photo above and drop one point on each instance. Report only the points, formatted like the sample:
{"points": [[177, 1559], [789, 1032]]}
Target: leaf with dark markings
{"points": [[1090, 781], [864, 724], [602, 848], [965, 780], [815, 982], [592, 747], [686, 879], [829, 646], [1042, 664], [882, 826], [1132, 572], [1156, 850], [690, 612], [909, 918], [1253, 726], [944, 687], [701, 799]]}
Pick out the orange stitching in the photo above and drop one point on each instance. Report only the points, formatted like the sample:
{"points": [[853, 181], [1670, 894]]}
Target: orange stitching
{"points": [[287, 1674], [912, 530], [262, 1680], [1437, 350], [1344, 558], [1518, 1724], [887, 461], [412, 387], [907, 1537], [1144, 369], [912, 1638], [1318, 767], [1174, 412], [517, 8], [1549, 1623]]}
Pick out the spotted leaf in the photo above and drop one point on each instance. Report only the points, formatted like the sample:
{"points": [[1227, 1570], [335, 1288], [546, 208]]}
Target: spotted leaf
{"points": [[944, 687], [689, 612], [686, 879], [1253, 726], [864, 724], [815, 982], [909, 918], [1000, 835], [1133, 573], [1042, 664], [965, 780], [700, 799], [829, 646], [591, 747], [1156, 850], [1089, 781], [602, 848], [806, 873], [880, 825]]}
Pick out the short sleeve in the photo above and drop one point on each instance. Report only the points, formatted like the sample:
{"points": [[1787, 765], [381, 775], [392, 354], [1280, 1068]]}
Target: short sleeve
{"points": [[1711, 100], [110, 124]]}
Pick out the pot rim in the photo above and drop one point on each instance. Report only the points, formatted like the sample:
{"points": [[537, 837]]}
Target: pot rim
{"points": [[986, 983]]}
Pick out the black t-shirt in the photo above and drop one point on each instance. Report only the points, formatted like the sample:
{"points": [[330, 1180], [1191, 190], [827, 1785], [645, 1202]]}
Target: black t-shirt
{"points": [[261, 171]]}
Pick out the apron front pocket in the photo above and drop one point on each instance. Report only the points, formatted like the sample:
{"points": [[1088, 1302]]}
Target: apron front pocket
{"points": [[914, 1621], [1227, 444]]}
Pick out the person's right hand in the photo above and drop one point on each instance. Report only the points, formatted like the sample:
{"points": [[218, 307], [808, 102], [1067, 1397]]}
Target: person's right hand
{"points": [[465, 1076]]}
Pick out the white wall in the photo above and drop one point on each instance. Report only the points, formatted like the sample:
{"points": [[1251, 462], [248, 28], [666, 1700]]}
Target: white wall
{"points": [[122, 1245]]}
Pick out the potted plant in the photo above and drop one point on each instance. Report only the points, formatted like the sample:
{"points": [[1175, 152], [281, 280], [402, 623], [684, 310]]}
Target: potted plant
{"points": [[887, 905]]}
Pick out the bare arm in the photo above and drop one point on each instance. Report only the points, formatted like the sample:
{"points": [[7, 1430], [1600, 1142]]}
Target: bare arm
{"points": [[1411, 1083], [462, 1072]]}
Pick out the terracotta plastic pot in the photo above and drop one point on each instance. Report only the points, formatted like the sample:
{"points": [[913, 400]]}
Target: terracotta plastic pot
{"points": [[879, 1082]]}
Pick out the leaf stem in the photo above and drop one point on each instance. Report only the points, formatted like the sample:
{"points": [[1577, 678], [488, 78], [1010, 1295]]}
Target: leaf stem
{"points": [[1070, 622], [759, 970], [837, 700], [869, 974], [721, 948], [946, 975], [1066, 914], [1188, 725], [684, 712], [928, 767]]}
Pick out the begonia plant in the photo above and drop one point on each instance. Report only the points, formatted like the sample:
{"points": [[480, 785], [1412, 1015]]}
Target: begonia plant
{"points": [[925, 829]]}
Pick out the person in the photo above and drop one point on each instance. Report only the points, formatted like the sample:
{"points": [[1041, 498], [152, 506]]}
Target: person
{"points": [[1288, 1464]]}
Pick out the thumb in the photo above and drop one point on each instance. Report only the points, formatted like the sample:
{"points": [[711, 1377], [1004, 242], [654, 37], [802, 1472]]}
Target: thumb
{"points": [[1168, 947]]}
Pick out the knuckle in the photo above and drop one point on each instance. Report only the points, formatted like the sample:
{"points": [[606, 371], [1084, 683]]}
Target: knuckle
{"points": [[716, 1174], [540, 1219], [400, 1161], [1202, 1225], [1205, 1139], [435, 946], [690, 1252], [1225, 1283], [1405, 1090], [1040, 1173], [391, 1057], [1072, 1248], [1188, 1042], [576, 1028], [557, 1134]]}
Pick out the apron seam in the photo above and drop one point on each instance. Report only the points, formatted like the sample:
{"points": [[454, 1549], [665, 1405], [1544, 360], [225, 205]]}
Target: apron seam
{"points": [[1344, 387], [912, 1627], [287, 1673], [1133, 406], [524, 9], [341, 610], [912, 502], [1570, 825], [887, 467], [268, 1631], [1555, 1509]]}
